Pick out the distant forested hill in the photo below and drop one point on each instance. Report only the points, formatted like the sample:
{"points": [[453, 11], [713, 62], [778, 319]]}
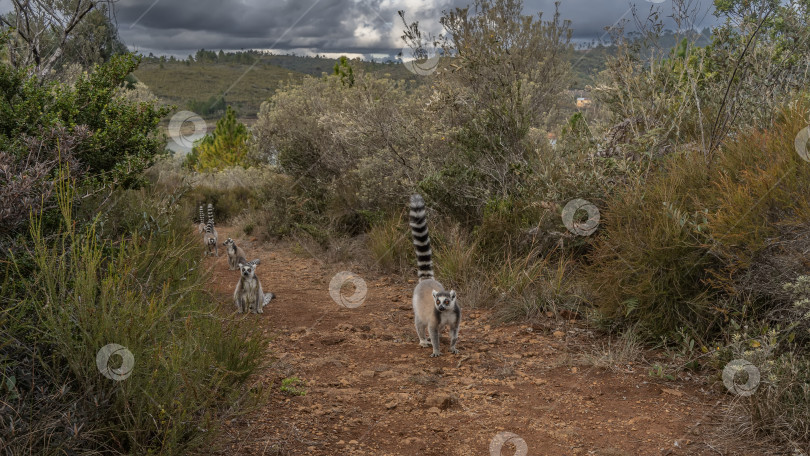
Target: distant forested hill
{"points": [[248, 78]]}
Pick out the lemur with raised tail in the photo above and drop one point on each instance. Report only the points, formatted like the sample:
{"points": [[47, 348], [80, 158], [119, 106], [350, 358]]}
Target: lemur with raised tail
{"points": [[201, 226], [433, 306], [210, 237], [249, 294]]}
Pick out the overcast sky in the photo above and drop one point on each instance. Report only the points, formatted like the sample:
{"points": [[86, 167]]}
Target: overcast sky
{"points": [[355, 27]]}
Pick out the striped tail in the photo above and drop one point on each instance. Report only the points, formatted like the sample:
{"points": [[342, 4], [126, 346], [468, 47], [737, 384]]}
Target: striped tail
{"points": [[210, 214], [202, 215], [267, 298], [421, 241]]}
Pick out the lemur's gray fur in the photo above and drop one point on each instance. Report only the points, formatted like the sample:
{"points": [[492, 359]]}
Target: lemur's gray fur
{"points": [[433, 306], [235, 253], [249, 294]]}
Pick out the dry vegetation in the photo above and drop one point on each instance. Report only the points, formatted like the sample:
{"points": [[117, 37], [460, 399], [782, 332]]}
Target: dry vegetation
{"points": [[689, 155]]}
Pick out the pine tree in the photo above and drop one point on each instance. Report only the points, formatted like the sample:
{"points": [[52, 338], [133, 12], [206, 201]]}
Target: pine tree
{"points": [[344, 71], [227, 146]]}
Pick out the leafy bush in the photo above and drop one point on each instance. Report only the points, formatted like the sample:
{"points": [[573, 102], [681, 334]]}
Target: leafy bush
{"points": [[103, 137], [121, 140]]}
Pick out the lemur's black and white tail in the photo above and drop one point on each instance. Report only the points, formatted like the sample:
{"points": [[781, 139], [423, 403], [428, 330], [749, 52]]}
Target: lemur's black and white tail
{"points": [[421, 240], [210, 225], [202, 214]]}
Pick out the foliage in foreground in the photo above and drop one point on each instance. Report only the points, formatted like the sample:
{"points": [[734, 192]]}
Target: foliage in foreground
{"points": [[103, 137], [73, 293]]}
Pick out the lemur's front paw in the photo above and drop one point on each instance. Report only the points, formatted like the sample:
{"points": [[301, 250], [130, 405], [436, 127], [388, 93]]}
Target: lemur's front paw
{"points": [[434, 354], [424, 344], [454, 351]]}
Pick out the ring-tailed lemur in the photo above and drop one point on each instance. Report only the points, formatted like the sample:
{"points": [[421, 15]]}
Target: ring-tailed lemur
{"points": [[235, 253], [249, 294], [433, 306], [210, 237], [201, 226]]}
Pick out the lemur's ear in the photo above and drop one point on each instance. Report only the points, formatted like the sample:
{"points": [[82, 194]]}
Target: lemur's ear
{"points": [[434, 294], [452, 294]]}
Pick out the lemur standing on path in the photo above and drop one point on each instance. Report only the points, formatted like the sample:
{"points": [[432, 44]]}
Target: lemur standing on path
{"points": [[433, 306]]}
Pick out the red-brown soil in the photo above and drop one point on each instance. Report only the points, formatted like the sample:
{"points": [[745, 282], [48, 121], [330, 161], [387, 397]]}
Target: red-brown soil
{"points": [[371, 390]]}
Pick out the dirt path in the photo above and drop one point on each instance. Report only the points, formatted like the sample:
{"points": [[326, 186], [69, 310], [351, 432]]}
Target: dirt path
{"points": [[371, 390]]}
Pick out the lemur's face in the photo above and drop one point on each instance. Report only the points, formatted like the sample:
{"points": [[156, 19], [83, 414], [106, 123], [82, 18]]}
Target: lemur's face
{"points": [[228, 242], [444, 300], [248, 269], [212, 242]]}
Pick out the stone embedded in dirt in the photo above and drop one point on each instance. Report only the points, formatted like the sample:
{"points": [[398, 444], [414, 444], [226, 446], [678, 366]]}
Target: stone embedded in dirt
{"points": [[434, 410], [443, 401], [367, 373], [392, 404], [364, 328], [558, 334], [332, 340], [345, 327]]}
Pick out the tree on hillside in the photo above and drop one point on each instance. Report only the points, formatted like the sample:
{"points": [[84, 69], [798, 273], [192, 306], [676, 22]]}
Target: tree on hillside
{"points": [[226, 146], [344, 71], [50, 32]]}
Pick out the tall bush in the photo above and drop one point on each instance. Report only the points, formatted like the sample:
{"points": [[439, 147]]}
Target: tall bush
{"points": [[697, 246], [78, 292]]}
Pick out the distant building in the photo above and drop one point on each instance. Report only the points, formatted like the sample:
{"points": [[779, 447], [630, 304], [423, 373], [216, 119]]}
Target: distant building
{"points": [[583, 102]]}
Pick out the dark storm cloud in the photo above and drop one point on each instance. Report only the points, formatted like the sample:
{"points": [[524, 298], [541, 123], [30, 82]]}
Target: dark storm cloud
{"points": [[358, 26]]}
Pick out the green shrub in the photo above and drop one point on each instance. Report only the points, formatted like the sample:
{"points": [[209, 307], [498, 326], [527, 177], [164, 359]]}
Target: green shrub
{"points": [[122, 140], [105, 137], [777, 408], [698, 243], [78, 292]]}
